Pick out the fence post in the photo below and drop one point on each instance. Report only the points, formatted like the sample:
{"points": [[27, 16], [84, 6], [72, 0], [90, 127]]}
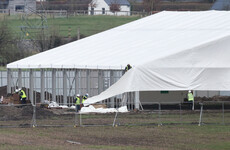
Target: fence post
{"points": [[180, 113], [69, 32], [115, 118], [75, 119], [223, 112], [80, 120], [78, 33], [201, 113], [34, 124], [159, 115]]}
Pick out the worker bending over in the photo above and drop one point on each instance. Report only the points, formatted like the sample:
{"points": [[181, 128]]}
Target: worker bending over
{"points": [[22, 95]]}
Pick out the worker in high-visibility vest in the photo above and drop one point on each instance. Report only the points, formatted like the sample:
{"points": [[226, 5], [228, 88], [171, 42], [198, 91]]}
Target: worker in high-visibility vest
{"points": [[85, 98], [128, 67], [22, 95], [191, 99], [77, 102]]}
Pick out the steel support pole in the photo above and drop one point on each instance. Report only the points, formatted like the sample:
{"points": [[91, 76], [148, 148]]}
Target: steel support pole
{"points": [[137, 100], [65, 87], [20, 78], [77, 91], [54, 85], [111, 83], [31, 94], [88, 81], [42, 85], [9, 80], [100, 81]]}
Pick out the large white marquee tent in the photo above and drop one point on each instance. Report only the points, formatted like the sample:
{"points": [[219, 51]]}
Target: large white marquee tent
{"points": [[168, 51]]}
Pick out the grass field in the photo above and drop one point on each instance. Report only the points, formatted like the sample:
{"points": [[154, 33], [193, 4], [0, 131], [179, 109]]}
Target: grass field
{"points": [[125, 137], [88, 25]]}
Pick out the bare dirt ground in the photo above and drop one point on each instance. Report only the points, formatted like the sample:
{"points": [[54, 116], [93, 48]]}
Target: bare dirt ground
{"points": [[3, 91]]}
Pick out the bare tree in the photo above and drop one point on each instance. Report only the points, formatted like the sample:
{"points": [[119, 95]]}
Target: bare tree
{"points": [[93, 4], [151, 5], [115, 6], [8, 45]]}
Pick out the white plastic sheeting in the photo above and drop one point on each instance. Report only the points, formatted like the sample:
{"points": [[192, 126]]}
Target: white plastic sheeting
{"points": [[135, 43], [92, 109], [199, 67], [205, 67]]}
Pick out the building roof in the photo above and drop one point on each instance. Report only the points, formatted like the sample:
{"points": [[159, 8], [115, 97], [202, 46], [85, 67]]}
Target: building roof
{"points": [[144, 40], [221, 5], [120, 2]]}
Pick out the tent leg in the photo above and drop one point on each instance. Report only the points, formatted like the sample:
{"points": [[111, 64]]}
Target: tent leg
{"points": [[9, 81]]}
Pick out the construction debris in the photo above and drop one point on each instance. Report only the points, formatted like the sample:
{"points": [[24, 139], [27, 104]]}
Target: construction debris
{"points": [[12, 99], [73, 142]]}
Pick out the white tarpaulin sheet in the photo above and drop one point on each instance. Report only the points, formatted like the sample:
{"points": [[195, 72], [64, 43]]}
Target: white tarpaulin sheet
{"points": [[200, 67], [135, 43]]}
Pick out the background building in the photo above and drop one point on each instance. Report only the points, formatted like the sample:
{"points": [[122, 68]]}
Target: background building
{"points": [[16, 6], [109, 7]]}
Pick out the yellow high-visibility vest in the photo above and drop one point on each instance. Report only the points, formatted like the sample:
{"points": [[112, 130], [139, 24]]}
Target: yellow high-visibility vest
{"points": [[77, 101], [190, 97], [23, 94], [83, 100]]}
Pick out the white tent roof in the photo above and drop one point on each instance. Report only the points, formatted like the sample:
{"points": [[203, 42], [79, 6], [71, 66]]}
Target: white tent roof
{"points": [[205, 65], [145, 40]]}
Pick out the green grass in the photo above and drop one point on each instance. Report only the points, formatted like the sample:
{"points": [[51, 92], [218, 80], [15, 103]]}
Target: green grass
{"points": [[88, 25], [213, 137], [2, 68]]}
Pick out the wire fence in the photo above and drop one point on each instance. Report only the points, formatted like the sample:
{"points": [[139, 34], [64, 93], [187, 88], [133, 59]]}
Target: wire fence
{"points": [[157, 114]]}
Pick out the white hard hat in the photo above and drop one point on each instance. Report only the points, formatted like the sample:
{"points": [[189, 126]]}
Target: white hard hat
{"points": [[189, 91], [17, 90], [87, 94], [78, 95]]}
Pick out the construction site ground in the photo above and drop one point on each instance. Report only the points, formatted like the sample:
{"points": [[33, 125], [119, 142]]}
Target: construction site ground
{"points": [[212, 137], [56, 129]]}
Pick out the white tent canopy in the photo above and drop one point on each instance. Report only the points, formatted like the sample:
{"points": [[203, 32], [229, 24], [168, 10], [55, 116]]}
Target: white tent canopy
{"points": [[136, 43], [203, 66]]}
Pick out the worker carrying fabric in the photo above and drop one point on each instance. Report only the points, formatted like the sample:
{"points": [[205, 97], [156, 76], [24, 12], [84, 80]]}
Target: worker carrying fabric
{"points": [[22, 95], [191, 99], [85, 98], [77, 102], [128, 67]]}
